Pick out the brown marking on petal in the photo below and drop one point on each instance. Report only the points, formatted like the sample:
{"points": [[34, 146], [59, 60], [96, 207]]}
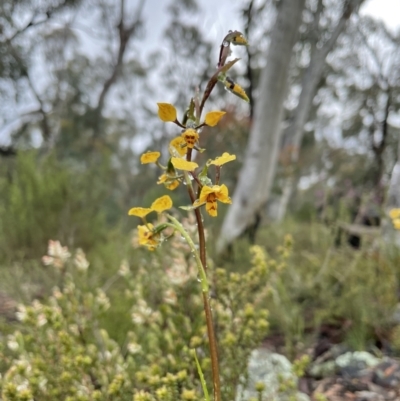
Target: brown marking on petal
{"points": [[211, 197]]}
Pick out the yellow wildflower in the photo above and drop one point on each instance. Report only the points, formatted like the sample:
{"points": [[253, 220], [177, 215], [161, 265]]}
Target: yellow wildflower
{"points": [[236, 38], [210, 195], [394, 213], [181, 164], [166, 112], [396, 223], [147, 237], [170, 182], [162, 204], [213, 117], [239, 40], [178, 147], [191, 137], [236, 89], [149, 157], [139, 211], [225, 158]]}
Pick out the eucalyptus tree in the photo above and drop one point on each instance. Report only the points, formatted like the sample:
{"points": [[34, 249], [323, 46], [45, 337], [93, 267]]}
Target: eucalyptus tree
{"points": [[367, 83], [257, 172], [363, 91], [63, 60], [320, 26]]}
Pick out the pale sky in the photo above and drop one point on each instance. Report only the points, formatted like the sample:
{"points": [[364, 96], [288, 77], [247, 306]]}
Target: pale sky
{"points": [[221, 15], [386, 10], [218, 17]]}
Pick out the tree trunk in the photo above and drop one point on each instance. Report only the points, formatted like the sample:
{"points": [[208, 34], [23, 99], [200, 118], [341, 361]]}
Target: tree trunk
{"points": [[295, 132], [258, 171]]}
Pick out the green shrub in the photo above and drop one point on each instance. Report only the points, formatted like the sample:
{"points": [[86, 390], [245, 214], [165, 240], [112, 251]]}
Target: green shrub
{"points": [[43, 198], [62, 350]]}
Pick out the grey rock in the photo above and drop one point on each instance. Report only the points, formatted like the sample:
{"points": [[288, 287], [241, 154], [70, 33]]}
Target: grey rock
{"points": [[271, 369]]}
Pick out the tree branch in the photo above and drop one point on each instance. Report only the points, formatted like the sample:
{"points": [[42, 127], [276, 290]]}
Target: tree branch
{"points": [[45, 122], [124, 35]]}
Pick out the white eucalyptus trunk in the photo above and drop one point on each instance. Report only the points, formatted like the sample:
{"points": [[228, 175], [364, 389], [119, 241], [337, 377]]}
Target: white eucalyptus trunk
{"points": [[258, 171]]}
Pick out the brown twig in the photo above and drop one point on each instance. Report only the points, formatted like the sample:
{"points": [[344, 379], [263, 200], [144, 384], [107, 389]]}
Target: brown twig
{"points": [[206, 303]]}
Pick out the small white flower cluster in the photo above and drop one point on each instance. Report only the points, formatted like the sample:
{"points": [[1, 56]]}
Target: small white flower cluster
{"points": [[38, 309], [178, 274], [21, 313], [80, 260], [143, 313], [102, 300], [124, 270], [170, 297], [57, 255], [12, 342], [134, 348]]}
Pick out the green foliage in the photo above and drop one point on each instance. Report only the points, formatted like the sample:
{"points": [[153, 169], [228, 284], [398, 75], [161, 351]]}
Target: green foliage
{"points": [[43, 199], [319, 283], [63, 349]]}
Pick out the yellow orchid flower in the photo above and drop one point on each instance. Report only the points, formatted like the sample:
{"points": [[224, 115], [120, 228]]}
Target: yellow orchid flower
{"points": [[236, 89], [169, 182], [210, 195], [147, 237]]}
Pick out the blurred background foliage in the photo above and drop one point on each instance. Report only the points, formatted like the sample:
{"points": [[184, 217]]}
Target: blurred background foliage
{"points": [[77, 109]]}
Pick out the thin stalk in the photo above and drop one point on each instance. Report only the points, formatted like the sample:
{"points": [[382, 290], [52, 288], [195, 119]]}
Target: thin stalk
{"points": [[199, 221], [178, 226], [201, 254], [203, 382]]}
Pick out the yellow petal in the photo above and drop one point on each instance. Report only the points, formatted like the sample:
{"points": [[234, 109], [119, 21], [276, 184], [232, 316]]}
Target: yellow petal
{"points": [[161, 204], [222, 194], [170, 182], [139, 211], [225, 158], [213, 117], [178, 147], [162, 178], [236, 89], [149, 157], [396, 223], [394, 213], [166, 112], [172, 185], [182, 164], [211, 208]]}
